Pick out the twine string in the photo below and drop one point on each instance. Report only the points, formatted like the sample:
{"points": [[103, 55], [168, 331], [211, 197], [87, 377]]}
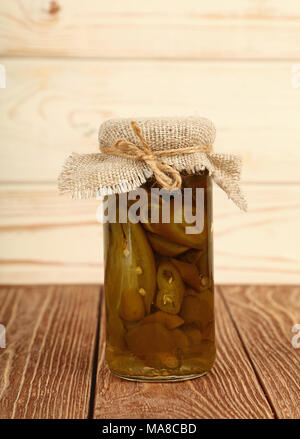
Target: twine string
{"points": [[168, 177]]}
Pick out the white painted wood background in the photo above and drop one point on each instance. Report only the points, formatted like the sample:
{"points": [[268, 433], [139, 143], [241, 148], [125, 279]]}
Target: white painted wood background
{"points": [[72, 64]]}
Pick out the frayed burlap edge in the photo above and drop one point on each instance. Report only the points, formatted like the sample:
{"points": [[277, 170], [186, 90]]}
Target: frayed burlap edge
{"points": [[96, 175]]}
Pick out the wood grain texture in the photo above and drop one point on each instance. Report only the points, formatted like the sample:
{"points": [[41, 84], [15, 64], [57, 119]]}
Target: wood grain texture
{"points": [[53, 107], [260, 246], [264, 317], [48, 238], [169, 29], [46, 368], [230, 390]]}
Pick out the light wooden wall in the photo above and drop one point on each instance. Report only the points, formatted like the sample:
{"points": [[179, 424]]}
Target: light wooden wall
{"points": [[72, 64]]}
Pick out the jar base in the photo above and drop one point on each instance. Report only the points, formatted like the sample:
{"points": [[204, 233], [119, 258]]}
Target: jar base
{"points": [[160, 379]]}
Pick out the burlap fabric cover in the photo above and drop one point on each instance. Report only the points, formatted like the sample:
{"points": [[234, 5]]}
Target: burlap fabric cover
{"points": [[90, 175]]}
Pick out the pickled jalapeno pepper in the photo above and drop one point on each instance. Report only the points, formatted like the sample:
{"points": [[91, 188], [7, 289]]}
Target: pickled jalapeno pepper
{"points": [[139, 255], [170, 288], [165, 247], [189, 273], [159, 293], [170, 321], [175, 232]]}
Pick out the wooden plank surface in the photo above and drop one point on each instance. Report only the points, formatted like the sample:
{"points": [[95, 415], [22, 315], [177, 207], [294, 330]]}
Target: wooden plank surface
{"points": [[52, 107], [230, 390], [264, 317], [46, 368], [47, 238], [157, 29]]}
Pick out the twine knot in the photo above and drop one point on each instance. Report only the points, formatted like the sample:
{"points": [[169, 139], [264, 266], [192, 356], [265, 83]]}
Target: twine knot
{"points": [[168, 177]]}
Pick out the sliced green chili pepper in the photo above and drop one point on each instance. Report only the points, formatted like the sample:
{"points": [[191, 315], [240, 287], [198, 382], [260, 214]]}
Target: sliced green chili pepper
{"points": [[186, 266], [129, 278], [202, 263], [191, 292], [115, 330], [165, 247], [192, 256], [113, 240], [154, 344], [195, 339], [170, 321], [181, 339], [188, 272], [176, 232], [132, 306], [139, 261], [170, 288], [198, 310]]}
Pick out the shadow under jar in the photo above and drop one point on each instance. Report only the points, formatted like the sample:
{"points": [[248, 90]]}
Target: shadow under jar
{"points": [[159, 289]]}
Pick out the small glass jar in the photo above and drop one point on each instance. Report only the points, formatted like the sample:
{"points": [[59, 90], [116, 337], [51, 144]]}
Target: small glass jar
{"points": [[159, 288]]}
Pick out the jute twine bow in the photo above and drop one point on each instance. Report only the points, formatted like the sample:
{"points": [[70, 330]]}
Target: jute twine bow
{"points": [[168, 177]]}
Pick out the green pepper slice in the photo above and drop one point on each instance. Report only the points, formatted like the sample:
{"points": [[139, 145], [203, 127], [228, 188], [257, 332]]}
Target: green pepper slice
{"points": [[189, 273], [170, 288], [132, 306], [165, 247], [176, 232], [139, 261], [154, 344], [193, 267], [169, 321], [130, 277], [115, 327], [198, 310]]}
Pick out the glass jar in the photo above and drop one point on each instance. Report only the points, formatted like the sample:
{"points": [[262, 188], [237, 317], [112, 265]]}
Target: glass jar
{"points": [[159, 289]]}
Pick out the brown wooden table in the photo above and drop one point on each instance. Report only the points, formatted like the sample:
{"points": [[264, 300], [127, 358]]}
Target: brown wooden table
{"points": [[53, 365]]}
